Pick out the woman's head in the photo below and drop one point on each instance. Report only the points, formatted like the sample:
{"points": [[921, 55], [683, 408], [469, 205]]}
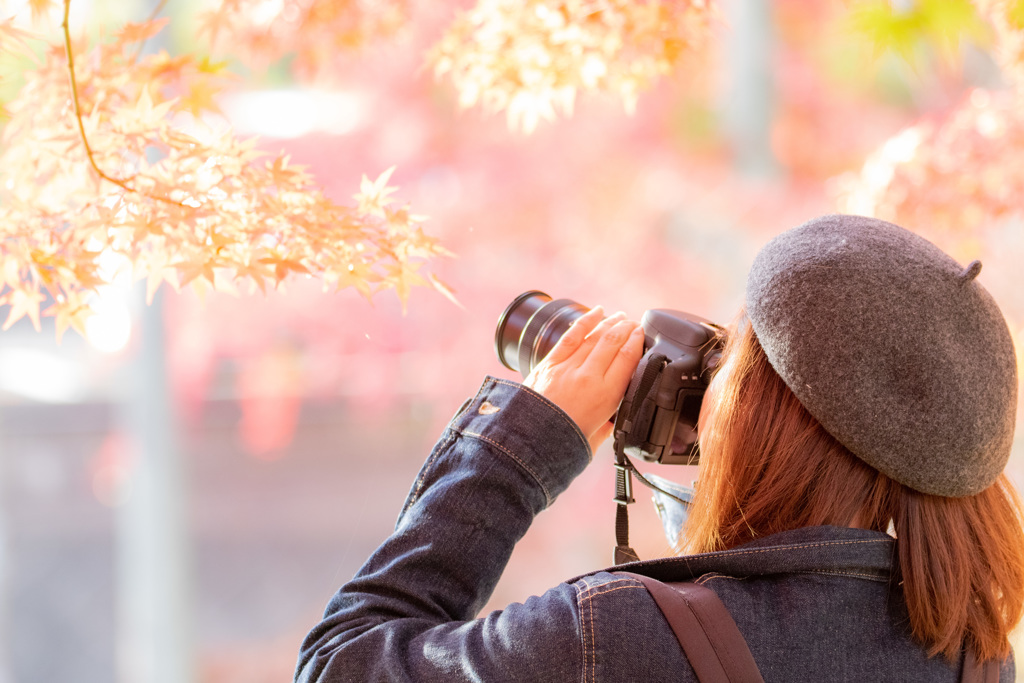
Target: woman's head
{"points": [[782, 447], [893, 346], [766, 464]]}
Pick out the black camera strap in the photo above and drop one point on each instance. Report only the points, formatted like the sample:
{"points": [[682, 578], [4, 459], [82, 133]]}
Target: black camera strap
{"points": [[629, 409]]}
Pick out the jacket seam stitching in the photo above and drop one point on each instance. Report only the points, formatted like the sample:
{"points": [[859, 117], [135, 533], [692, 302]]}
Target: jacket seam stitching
{"points": [[537, 397], [453, 432], [421, 480], [588, 597], [601, 589], [612, 590], [593, 645], [536, 477], [840, 572], [583, 636], [735, 553], [700, 581], [589, 589]]}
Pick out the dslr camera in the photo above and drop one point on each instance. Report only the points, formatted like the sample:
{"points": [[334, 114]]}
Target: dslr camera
{"points": [[657, 418]]}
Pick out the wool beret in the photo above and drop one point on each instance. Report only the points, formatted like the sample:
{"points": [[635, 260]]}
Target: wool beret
{"points": [[894, 347]]}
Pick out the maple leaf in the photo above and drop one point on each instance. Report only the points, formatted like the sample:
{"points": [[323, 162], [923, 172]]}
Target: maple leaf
{"points": [[373, 195], [256, 272], [212, 23], [40, 9], [200, 98], [283, 266], [23, 302], [139, 33], [149, 115], [69, 311], [190, 271], [206, 66], [445, 290], [9, 33], [942, 23], [403, 277]]}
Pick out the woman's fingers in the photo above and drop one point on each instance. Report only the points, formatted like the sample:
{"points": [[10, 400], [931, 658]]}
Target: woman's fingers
{"points": [[588, 370], [597, 335], [575, 335], [615, 347]]}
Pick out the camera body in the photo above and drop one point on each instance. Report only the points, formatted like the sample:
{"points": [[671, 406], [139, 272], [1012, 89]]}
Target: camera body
{"points": [[657, 418]]}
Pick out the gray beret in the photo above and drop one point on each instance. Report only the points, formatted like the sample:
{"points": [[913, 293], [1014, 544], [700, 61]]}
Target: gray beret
{"points": [[892, 346]]}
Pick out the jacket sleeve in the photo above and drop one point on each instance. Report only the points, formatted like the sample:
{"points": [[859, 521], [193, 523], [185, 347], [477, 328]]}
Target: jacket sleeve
{"points": [[408, 614]]}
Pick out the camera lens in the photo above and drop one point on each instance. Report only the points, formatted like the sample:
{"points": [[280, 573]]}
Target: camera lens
{"points": [[530, 327]]}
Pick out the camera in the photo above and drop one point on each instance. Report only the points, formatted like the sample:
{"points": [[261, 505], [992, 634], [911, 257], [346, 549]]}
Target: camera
{"points": [[657, 418]]}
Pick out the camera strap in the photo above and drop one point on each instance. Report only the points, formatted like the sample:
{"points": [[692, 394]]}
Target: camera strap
{"points": [[648, 373]]}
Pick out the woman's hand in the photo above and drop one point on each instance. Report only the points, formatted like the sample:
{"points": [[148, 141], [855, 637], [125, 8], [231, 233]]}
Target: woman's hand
{"points": [[587, 372]]}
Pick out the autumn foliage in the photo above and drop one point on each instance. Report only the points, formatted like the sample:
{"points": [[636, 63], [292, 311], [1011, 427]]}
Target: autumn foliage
{"points": [[124, 178], [116, 163], [529, 59], [958, 171], [314, 33], [111, 169]]}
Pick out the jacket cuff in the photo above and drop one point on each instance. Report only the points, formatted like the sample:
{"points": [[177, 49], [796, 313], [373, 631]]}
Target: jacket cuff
{"points": [[530, 429]]}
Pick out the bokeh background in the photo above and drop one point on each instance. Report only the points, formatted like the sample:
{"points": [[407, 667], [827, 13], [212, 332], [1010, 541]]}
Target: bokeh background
{"points": [[194, 480]]}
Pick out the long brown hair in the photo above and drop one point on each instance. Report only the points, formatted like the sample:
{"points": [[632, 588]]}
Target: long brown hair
{"points": [[768, 466]]}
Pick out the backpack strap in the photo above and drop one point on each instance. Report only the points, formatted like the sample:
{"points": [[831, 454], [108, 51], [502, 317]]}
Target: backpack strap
{"points": [[705, 630], [978, 672], [717, 650]]}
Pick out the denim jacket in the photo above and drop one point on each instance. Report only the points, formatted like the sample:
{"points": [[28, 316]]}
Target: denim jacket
{"points": [[814, 604]]}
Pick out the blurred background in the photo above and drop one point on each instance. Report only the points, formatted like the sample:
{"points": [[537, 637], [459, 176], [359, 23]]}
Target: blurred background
{"points": [[183, 488]]}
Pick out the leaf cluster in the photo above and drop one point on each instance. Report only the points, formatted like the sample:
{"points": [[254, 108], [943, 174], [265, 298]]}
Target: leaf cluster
{"points": [[909, 29], [530, 58], [173, 200], [918, 177], [959, 170], [1007, 19], [311, 32]]}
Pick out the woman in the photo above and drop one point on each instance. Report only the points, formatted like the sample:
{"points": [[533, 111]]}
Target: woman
{"points": [[869, 388]]}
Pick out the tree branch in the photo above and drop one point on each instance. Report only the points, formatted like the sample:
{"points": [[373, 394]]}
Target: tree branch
{"points": [[123, 184], [152, 16]]}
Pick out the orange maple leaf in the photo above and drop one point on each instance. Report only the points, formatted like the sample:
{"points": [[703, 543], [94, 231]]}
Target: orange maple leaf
{"points": [[72, 312], [40, 8], [373, 195], [9, 33], [200, 98], [211, 24], [23, 302], [191, 271], [445, 290], [283, 266], [141, 32]]}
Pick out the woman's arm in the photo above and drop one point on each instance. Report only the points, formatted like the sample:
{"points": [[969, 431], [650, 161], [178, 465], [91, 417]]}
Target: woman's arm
{"points": [[409, 612]]}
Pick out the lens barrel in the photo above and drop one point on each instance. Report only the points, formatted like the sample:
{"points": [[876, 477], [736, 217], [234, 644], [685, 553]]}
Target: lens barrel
{"points": [[530, 327]]}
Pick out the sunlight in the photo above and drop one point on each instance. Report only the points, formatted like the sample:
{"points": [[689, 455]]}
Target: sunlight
{"points": [[109, 329], [290, 114]]}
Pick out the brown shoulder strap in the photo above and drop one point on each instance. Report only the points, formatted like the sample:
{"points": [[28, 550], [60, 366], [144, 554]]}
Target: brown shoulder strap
{"points": [[978, 672], [716, 648], [705, 630]]}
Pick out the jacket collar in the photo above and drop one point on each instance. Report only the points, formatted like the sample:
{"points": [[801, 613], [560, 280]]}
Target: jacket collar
{"points": [[827, 549]]}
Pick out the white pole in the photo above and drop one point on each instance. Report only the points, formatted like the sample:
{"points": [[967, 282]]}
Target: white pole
{"points": [[749, 95], [155, 607]]}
